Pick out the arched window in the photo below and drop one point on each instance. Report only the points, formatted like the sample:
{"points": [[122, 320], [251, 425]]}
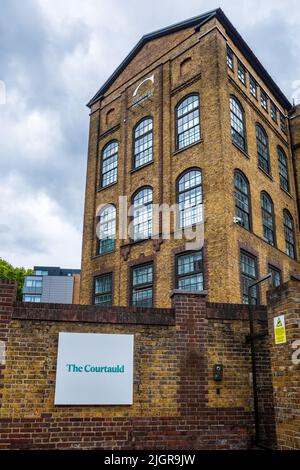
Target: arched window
{"points": [[283, 170], [262, 149], [109, 166], [143, 142], [142, 214], [107, 229], [242, 199], [267, 214], [237, 119], [187, 121], [189, 198], [289, 234]]}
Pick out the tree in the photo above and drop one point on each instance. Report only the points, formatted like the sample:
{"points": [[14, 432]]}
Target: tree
{"points": [[7, 271]]}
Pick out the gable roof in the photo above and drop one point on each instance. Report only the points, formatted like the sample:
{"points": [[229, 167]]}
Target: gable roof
{"points": [[197, 22]]}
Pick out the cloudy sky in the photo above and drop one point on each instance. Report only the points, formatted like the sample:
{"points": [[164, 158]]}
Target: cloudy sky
{"points": [[54, 55]]}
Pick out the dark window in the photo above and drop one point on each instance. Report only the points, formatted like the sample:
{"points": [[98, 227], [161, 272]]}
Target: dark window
{"points": [[142, 214], [103, 290], [283, 170], [237, 117], [143, 142], [189, 198], [109, 171], [31, 298], [282, 122], [107, 229], [242, 199], [262, 149], [241, 73], [273, 111], [248, 276], [142, 285], [275, 279], [264, 99], [187, 122], [267, 213], [253, 87], [189, 271], [289, 234], [230, 58]]}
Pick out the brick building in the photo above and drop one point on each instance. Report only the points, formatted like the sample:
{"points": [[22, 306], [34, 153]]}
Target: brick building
{"points": [[191, 116]]}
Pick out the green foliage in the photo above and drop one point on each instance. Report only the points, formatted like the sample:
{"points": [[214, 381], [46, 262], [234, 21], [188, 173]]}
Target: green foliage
{"points": [[7, 271]]}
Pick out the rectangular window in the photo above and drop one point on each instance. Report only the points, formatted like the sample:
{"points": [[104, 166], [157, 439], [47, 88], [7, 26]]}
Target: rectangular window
{"points": [[248, 276], [103, 290], [230, 58], [31, 298], [189, 271], [40, 273], [275, 280], [241, 73], [142, 285], [253, 87], [34, 283], [264, 99], [273, 111], [282, 122]]}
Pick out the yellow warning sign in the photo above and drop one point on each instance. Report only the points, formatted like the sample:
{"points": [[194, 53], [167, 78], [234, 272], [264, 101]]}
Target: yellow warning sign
{"points": [[279, 330]]}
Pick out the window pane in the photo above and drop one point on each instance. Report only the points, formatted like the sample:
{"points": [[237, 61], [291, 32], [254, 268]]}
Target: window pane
{"points": [[237, 124], [262, 149], [242, 202], [241, 73], [188, 122], [190, 271], [268, 219], [142, 275], [143, 142], [229, 58], [142, 288], [189, 198], [109, 164], [283, 170], [142, 214], [289, 234], [248, 276], [103, 290], [107, 229]]}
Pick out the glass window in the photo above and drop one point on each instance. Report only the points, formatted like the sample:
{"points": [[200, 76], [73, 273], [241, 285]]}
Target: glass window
{"points": [[230, 58], [142, 214], [267, 213], [38, 272], [253, 87], [262, 149], [237, 118], [275, 279], [264, 99], [103, 290], [31, 298], [273, 111], [188, 122], [142, 285], [282, 122], [109, 171], [189, 198], [189, 271], [34, 283], [242, 199], [248, 276], [143, 142], [283, 170], [241, 73], [107, 229], [289, 234]]}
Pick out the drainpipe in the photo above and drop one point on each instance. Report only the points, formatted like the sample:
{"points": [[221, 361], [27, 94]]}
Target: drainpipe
{"points": [[252, 338]]}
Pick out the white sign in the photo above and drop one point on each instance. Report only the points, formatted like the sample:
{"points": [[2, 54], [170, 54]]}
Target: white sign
{"points": [[94, 369]]}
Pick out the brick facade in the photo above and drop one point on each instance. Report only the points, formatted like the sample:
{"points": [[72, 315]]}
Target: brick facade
{"points": [[190, 60]]}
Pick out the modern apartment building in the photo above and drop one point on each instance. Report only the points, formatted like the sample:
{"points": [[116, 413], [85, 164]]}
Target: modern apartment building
{"points": [[190, 117], [53, 285]]}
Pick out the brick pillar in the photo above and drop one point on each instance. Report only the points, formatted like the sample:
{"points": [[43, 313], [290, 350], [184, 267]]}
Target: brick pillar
{"points": [[8, 293], [285, 300], [191, 332]]}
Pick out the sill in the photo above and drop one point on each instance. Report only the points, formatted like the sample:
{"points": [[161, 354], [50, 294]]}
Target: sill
{"points": [[102, 188], [142, 166], [286, 192], [241, 150], [188, 147], [265, 173], [100, 255], [136, 242]]}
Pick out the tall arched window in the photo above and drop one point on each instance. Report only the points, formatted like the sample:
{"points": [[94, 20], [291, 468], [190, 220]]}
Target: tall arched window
{"points": [[109, 164], [289, 234], [242, 199], [187, 121], [267, 214], [143, 142], [107, 229], [142, 214], [262, 149], [283, 169], [189, 198], [237, 119]]}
